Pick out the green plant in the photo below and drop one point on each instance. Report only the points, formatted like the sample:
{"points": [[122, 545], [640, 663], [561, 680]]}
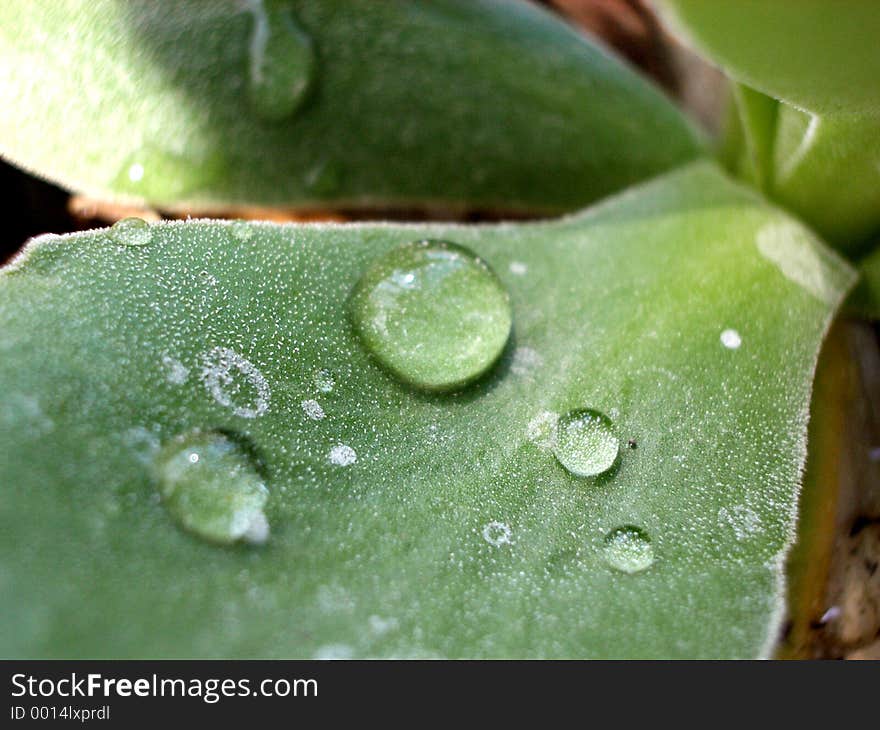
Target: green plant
{"points": [[571, 437]]}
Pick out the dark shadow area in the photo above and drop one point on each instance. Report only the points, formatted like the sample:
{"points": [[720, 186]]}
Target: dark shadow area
{"points": [[29, 207]]}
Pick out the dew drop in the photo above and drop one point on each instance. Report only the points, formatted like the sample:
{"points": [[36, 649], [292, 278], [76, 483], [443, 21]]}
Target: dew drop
{"points": [[628, 549], [313, 409], [136, 172], [324, 380], [342, 455], [497, 534], [585, 442], [235, 382], [282, 62], [131, 232], [731, 339], [433, 313], [211, 488]]}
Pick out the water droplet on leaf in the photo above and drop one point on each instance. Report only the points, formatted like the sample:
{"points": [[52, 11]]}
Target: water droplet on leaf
{"points": [[282, 62], [585, 442], [497, 534], [342, 455], [136, 172], [131, 232], [313, 409], [159, 174], [235, 382], [433, 313], [731, 339], [628, 549], [212, 489]]}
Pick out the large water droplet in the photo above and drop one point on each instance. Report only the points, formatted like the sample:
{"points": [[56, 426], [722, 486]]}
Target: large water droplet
{"points": [[282, 61], [433, 313], [585, 442], [628, 549], [211, 488], [131, 232]]}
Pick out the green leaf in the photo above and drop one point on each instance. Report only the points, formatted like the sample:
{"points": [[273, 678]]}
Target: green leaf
{"points": [[400, 522], [757, 124], [865, 298], [827, 170], [813, 54], [440, 104]]}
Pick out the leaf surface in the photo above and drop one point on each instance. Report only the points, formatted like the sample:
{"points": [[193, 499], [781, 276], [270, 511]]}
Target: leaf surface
{"points": [[403, 523], [813, 54], [445, 104]]}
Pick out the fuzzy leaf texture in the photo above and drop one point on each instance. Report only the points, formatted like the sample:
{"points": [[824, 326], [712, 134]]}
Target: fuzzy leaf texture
{"points": [[397, 522], [445, 104]]}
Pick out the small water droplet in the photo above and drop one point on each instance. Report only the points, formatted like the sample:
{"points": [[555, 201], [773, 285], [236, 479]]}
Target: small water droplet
{"points": [[433, 313], [136, 172], [282, 62], [313, 409], [242, 231], [235, 382], [585, 442], [212, 489], [342, 455], [497, 534], [324, 380], [131, 232], [628, 549], [731, 339], [159, 174]]}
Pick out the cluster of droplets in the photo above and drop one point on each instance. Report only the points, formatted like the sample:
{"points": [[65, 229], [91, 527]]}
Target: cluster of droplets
{"points": [[435, 316]]}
